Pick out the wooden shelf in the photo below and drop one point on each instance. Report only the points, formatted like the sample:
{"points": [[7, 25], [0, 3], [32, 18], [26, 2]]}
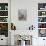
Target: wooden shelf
{"points": [[41, 28], [3, 16], [3, 22], [3, 10], [41, 22], [42, 16], [41, 10]]}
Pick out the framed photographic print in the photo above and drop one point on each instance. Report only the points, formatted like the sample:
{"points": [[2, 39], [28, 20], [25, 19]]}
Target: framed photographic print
{"points": [[4, 29], [42, 32], [22, 14]]}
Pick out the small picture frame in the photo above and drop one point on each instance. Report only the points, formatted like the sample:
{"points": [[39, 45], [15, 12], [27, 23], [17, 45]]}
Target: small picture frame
{"points": [[13, 27], [42, 33], [22, 14]]}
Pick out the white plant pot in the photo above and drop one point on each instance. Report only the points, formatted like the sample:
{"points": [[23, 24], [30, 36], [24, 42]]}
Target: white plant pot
{"points": [[22, 43]]}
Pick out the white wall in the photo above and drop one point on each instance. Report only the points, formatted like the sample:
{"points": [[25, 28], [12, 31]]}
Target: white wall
{"points": [[32, 14], [31, 7]]}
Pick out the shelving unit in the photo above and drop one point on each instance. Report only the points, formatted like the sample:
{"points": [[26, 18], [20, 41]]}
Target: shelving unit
{"points": [[4, 19], [42, 19]]}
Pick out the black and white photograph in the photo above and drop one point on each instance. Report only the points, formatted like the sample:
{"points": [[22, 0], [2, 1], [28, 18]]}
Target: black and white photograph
{"points": [[22, 14]]}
